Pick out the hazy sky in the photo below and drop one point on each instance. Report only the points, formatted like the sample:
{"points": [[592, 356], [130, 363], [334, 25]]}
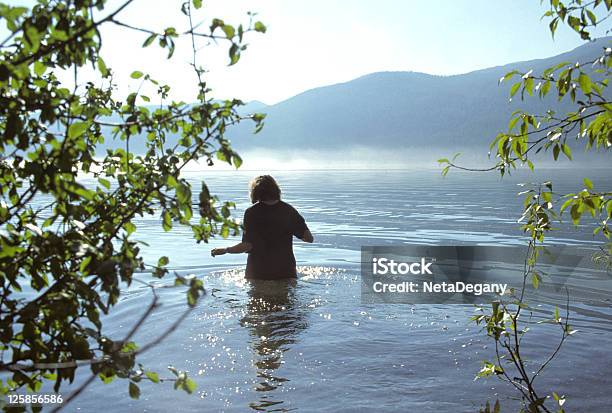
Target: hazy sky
{"points": [[319, 42]]}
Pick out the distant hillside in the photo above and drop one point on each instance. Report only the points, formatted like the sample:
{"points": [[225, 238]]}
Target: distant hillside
{"points": [[392, 110], [402, 109]]}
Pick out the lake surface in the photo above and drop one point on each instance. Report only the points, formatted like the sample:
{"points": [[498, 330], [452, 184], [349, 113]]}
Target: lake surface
{"points": [[313, 346]]}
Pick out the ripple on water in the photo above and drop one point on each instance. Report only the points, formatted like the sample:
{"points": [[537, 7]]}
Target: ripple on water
{"points": [[311, 345], [296, 344]]}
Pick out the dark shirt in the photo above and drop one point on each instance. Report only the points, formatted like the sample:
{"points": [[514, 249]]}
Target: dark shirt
{"points": [[270, 230]]}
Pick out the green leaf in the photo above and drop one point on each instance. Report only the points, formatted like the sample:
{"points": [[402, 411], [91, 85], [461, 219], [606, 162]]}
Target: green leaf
{"points": [[197, 4], [234, 54], [77, 129], [166, 221], [154, 377], [229, 30], [134, 391], [102, 67], [192, 297], [574, 22], [237, 161], [190, 386], [556, 151], [171, 48], [129, 347], [163, 261], [106, 379], [553, 26], [260, 27], [183, 193], [588, 183], [171, 181], [575, 213], [545, 88], [104, 182], [508, 76], [196, 288], [136, 74], [535, 280], [585, 83], [39, 68], [512, 123], [131, 99], [515, 88], [149, 40], [216, 23], [566, 204], [129, 228], [529, 85], [567, 151]]}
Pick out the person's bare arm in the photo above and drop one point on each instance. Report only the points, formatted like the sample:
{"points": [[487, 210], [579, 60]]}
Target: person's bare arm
{"points": [[234, 249], [307, 237]]}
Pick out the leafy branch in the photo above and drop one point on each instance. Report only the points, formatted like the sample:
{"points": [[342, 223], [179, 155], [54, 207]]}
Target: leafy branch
{"points": [[590, 125], [71, 246]]}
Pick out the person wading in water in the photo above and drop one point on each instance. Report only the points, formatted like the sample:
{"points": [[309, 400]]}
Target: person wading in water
{"points": [[269, 227]]}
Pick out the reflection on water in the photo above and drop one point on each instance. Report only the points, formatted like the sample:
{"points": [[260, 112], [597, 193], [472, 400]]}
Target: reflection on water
{"points": [[274, 320]]}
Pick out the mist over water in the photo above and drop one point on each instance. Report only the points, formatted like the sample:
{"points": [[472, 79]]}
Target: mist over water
{"points": [[385, 157]]}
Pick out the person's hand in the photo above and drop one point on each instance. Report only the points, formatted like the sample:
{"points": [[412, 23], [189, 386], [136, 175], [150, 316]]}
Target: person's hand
{"points": [[218, 251]]}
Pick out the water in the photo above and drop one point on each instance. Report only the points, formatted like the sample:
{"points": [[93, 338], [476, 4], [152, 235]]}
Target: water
{"points": [[312, 346]]}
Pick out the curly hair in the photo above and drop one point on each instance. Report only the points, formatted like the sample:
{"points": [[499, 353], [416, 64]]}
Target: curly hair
{"points": [[264, 188]]}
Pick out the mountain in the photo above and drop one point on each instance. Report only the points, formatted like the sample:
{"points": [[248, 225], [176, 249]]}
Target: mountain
{"points": [[253, 106], [389, 117], [403, 109]]}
